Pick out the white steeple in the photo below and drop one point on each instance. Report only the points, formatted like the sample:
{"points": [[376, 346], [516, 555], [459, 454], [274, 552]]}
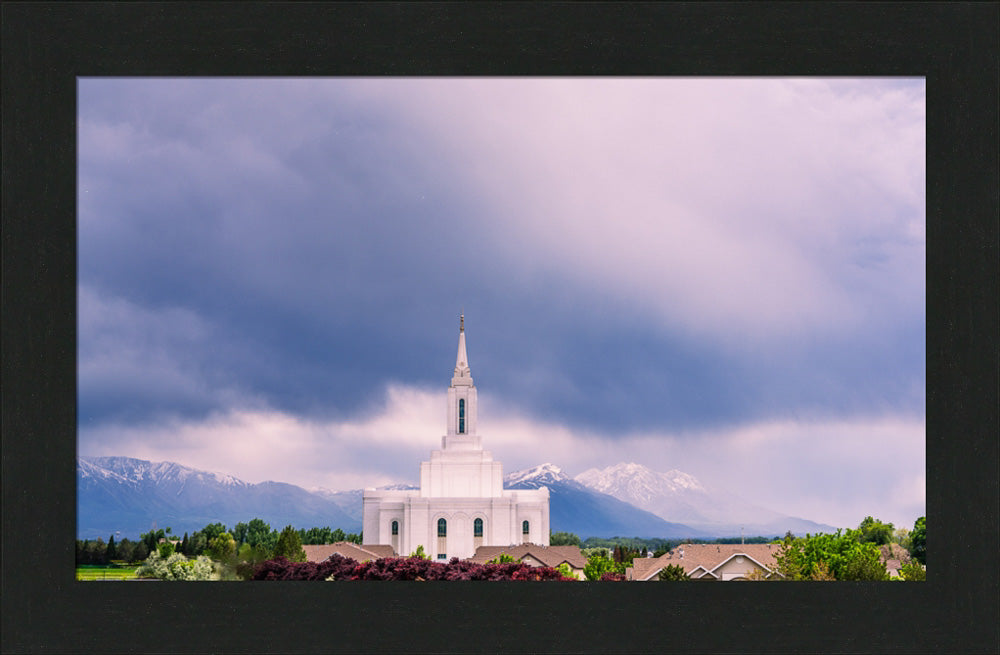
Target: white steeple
{"points": [[461, 400], [462, 375]]}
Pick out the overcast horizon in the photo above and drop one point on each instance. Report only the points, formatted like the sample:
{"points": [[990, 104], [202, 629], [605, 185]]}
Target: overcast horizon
{"points": [[724, 276]]}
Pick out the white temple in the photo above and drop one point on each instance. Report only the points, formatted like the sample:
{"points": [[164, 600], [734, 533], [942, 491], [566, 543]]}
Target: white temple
{"points": [[461, 503]]}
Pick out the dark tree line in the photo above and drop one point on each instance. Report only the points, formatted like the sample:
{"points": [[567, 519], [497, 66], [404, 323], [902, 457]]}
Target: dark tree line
{"points": [[252, 542], [97, 551]]}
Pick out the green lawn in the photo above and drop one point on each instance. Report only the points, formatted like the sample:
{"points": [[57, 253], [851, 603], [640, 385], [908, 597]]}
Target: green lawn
{"points": [[106, 572]]}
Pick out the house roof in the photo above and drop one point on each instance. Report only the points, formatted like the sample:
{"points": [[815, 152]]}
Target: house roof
{"points": [[348, 549], [643, 568], [894, 557], [547, 555], [894, 552], [705, 556]]}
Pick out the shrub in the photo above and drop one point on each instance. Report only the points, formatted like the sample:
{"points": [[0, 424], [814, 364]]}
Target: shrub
{"points": [[400, 568], [566, 572], [913, 571], [176, 567], [672, 572]]}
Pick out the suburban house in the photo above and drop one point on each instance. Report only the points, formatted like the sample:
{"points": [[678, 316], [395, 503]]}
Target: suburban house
{"points": [[894, 557], [710, 562], [534, 555], [358, 553]]}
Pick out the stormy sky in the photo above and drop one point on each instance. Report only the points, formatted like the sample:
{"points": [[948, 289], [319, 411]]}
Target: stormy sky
{"points": [[722, 276]]}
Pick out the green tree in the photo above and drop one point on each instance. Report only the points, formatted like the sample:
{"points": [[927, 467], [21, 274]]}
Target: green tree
{"points": [[355, 538], [222, 547], [212, 530], [864, 563], [598, 565], [258, 534], [918, 540], [290, 545], [126, 550], [317, 536], [901, 536], [152, 538], [672, 572], [112, 551], [563, 539], [874, 531], [338, 535], [419, 552], [913, 571], [841, 555], [166, 549], [240, 534]]}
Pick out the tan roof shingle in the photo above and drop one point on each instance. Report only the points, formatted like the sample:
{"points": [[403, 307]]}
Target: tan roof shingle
{"points": [[705, 556], [551, 556], [348, 549]]}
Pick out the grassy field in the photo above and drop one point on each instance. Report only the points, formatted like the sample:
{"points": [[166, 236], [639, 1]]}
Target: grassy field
{"points": [[105, 573]]}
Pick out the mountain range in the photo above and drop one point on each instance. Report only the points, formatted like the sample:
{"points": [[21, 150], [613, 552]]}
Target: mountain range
{"points": [[128, 495], [681, 497]]}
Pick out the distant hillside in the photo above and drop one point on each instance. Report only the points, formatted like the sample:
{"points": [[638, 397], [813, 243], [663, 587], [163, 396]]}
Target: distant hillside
{"points": [[122, 494], [127, 495], [675, 495], [588, 513]]}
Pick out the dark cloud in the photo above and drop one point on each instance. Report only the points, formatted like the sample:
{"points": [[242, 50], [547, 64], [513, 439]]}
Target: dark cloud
{"points": [[327, 244]]}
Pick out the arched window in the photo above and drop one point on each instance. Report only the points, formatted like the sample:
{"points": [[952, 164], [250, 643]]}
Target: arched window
{"points": [[442, 528], [477, 528], [525, 528], [395, 528], [461, 415]]}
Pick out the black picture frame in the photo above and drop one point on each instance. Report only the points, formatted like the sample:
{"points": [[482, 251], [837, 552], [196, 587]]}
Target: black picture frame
{"points": [[46, 46]]}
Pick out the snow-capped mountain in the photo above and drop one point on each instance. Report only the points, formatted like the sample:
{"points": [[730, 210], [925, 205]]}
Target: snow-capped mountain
{"points": [[638, 482], [128, 495], [585, 512], [543, 474], [675, 495]]}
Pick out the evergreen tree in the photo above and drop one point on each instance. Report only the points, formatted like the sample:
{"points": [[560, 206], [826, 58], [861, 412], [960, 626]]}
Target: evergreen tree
{"points": [[290, 545], [672, 572], [126, 550], [112, 551]]}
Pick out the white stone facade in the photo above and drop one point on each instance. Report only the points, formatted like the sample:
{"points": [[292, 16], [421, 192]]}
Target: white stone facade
{"points": [[462, 486]]}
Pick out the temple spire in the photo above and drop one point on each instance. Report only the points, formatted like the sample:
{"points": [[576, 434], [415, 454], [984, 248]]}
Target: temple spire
{"points": [[462, 371]]}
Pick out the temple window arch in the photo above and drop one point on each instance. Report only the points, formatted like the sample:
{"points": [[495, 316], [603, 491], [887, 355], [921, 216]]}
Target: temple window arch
{"points": [[477, 528], [525, 527], [442, 528], [461, 415]]}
